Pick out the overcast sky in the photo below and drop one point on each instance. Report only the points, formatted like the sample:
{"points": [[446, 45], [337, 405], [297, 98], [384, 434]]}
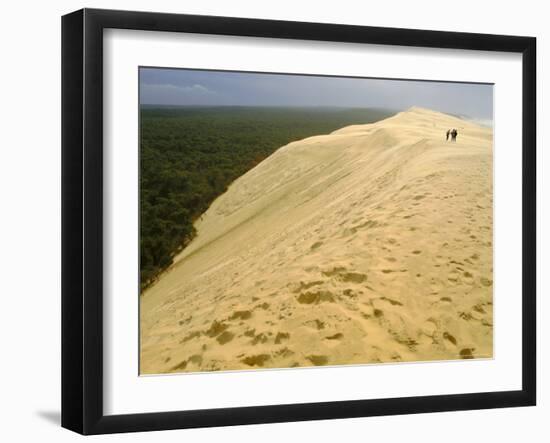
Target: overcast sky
{"points": [[195, 87]]}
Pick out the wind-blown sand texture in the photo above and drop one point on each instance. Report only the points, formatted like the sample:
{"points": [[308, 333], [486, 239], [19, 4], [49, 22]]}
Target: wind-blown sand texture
{"points": [[370, 244]]}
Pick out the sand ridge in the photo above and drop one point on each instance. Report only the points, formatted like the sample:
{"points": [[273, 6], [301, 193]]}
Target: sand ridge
{"points": [[369, 244]]}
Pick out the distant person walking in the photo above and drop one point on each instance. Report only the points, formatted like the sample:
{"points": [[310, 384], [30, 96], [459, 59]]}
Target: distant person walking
{"points": [[448, 133], [454, 133]]}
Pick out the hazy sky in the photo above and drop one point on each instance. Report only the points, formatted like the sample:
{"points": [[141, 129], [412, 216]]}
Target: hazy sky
{"points": [[196, 87]]}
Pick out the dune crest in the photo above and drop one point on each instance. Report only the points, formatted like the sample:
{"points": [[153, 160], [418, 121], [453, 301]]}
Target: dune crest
{"points": [[369, 244]]}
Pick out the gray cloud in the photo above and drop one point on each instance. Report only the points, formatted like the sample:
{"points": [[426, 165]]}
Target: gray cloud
{"points": [[199, 87]]}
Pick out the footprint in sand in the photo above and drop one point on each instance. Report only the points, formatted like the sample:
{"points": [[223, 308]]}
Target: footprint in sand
{"points": [[309, 298], [281, 336], [315, 324], [466, 353], [391, 301], [316, 245], [318, 360], [225, 337], [256, 360], [259, 338], [284, 352], [337, 336], [449, 337], [216, 328], [241, 315]]}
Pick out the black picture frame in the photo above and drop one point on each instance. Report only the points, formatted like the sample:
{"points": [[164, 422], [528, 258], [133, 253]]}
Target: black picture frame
{"points": [[82, 221]]}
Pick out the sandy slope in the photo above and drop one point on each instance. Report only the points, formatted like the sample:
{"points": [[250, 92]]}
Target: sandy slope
{"points": [[370, 244]]}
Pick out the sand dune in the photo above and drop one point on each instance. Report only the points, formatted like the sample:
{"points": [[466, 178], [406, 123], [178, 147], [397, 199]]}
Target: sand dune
{"points": [[370, 244]]}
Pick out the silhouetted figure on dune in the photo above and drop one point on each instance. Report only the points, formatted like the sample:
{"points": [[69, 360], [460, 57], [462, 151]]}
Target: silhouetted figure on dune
{"points": [[454, 133]]}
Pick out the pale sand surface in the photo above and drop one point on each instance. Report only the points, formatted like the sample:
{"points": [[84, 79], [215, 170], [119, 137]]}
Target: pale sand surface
{"points": [[370, 244]]}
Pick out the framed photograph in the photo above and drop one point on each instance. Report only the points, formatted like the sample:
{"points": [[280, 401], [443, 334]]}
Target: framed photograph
{"points": [[268, 221]]}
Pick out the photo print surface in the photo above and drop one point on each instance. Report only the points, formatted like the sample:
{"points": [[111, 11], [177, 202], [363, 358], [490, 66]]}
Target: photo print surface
{"points": [[291, 221]]}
